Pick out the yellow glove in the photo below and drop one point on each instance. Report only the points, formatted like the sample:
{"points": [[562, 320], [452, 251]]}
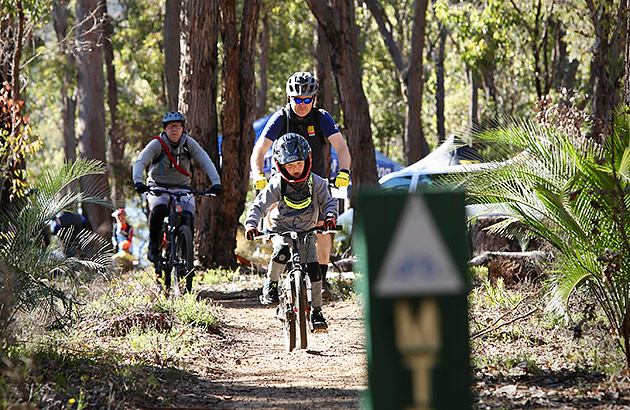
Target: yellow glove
{"points": [[260, 182], [343, 178]]}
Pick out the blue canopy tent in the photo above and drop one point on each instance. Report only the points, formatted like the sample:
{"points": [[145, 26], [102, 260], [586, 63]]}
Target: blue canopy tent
{"points": [[384, 164]]}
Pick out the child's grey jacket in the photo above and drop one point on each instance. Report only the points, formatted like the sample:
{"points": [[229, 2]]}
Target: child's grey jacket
{"points": [[285, 218]]}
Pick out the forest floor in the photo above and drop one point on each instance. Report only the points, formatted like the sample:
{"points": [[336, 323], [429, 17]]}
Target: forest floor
{"points": [[521, 358]]}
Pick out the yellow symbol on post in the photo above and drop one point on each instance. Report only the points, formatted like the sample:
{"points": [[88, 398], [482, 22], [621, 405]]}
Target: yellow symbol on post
{"points": [[418, 339]]}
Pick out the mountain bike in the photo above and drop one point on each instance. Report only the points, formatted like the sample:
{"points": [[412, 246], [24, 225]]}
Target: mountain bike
{"points": [[294, 309], [176, 259]]}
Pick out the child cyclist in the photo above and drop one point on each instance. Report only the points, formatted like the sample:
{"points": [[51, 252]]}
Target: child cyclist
{"points": [[301, 197]]}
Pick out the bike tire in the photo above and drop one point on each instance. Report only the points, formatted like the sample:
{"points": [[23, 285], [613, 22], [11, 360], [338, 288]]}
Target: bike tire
{"points": [[288, 324], [301, 306], [184, 255]]}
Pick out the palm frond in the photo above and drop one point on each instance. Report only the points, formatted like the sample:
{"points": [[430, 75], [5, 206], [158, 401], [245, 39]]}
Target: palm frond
{"points": [[40, 269]]}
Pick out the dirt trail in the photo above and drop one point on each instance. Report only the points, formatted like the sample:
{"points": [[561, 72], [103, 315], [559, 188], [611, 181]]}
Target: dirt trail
{"points": [[257, 372]]}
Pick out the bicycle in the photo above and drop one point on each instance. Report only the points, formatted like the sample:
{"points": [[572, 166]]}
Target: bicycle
{"points": [[294, 308], [176, 259]]}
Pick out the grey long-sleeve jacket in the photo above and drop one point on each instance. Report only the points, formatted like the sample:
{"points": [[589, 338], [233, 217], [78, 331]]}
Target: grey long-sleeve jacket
{"points": [[163, 172], [283, 217]]}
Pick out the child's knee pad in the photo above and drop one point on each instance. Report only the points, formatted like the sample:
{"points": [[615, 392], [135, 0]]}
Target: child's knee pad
{"points": [[281, 255], [313, 271]]}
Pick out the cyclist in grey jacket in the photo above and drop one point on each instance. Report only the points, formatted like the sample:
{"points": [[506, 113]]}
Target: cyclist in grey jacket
{"points": [[169, 158], [294, 199]]}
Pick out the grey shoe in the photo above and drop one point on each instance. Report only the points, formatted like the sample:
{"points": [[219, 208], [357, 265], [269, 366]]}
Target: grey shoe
{"points": [[317, 319], [270, 294], [326, 292]]}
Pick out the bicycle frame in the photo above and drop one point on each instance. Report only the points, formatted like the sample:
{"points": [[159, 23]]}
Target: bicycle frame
{"points": [[176, 251], [294, 307]]}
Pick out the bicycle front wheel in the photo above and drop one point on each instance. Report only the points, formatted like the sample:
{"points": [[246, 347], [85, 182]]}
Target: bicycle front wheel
{"points": [[183, 264], [288, 315], [301, 305]]}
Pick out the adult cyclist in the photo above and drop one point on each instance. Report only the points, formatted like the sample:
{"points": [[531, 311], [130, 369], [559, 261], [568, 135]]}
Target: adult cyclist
{"points": [[317, 126], [169, 157]]}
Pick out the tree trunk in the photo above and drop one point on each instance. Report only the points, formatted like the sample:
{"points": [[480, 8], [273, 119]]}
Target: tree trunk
{"points": [[13, 37], [263, 58], [68, 99], [118, 168], [626, 84], [606, 67], [416, 146], [439, 86], [473, 108], [172, 50], [238, 96], [338, 23], [410, 75], [198, 95], [91, 109], [323, 73]]}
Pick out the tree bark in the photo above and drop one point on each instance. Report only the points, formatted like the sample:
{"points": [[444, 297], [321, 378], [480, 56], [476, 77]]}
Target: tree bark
{"points": [[91, 109], [338, 23], [440, 94], [473, 107], [416, 146], [238, 96], [263, 59], [410, 73], [118, 168], [323, 73], [606, 67], [68, 98], [198, 95], [626, 88], [172, 50]]}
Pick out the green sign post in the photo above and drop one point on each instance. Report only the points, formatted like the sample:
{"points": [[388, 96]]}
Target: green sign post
{"points": [[412, 250]]}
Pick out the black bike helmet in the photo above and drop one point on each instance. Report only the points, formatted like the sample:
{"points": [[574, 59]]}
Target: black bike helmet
{"points": [[173, 116], [292, 147], [301, 84]]}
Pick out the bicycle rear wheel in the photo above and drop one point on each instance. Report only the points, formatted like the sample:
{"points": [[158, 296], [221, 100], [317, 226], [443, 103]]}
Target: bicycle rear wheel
{"points": [[183, 265], [301, 305]]}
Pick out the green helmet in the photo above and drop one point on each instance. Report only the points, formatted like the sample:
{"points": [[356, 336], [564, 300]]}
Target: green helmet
{"points": [[301, 83]]}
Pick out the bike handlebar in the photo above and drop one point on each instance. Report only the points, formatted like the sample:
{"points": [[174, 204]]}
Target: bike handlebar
{"points": [[179, 194], [296, 234]]}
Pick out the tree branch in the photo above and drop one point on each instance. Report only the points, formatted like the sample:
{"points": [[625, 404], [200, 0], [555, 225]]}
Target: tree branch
{"points": [[382, 22]]}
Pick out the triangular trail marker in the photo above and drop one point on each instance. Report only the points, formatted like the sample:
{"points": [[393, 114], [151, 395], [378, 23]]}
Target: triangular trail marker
{"points": [[417, 262]]}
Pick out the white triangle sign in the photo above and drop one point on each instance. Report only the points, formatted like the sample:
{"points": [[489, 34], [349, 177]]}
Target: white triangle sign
{"points": [[417, 262]]}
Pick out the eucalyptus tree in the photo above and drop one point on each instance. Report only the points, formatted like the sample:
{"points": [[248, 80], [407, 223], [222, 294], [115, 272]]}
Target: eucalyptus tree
{"points": [[409, 65], [572, 192], [171, 50], [17, 21], [238, 109], [337, 20], [199, 33], [119, 170], [609, 25], [91, 106], [61, 19]]}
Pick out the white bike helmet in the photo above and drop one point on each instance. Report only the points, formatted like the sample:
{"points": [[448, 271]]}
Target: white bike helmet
{"points": [[301, 84]]}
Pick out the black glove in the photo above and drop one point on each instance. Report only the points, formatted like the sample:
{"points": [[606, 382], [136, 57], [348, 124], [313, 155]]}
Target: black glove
{"points": [[216, 189], [252, 233], [330, 223], [140, 187]]}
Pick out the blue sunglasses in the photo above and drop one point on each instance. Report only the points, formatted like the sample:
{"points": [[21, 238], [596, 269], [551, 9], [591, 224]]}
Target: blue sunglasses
{"points": [[299, 100]]}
